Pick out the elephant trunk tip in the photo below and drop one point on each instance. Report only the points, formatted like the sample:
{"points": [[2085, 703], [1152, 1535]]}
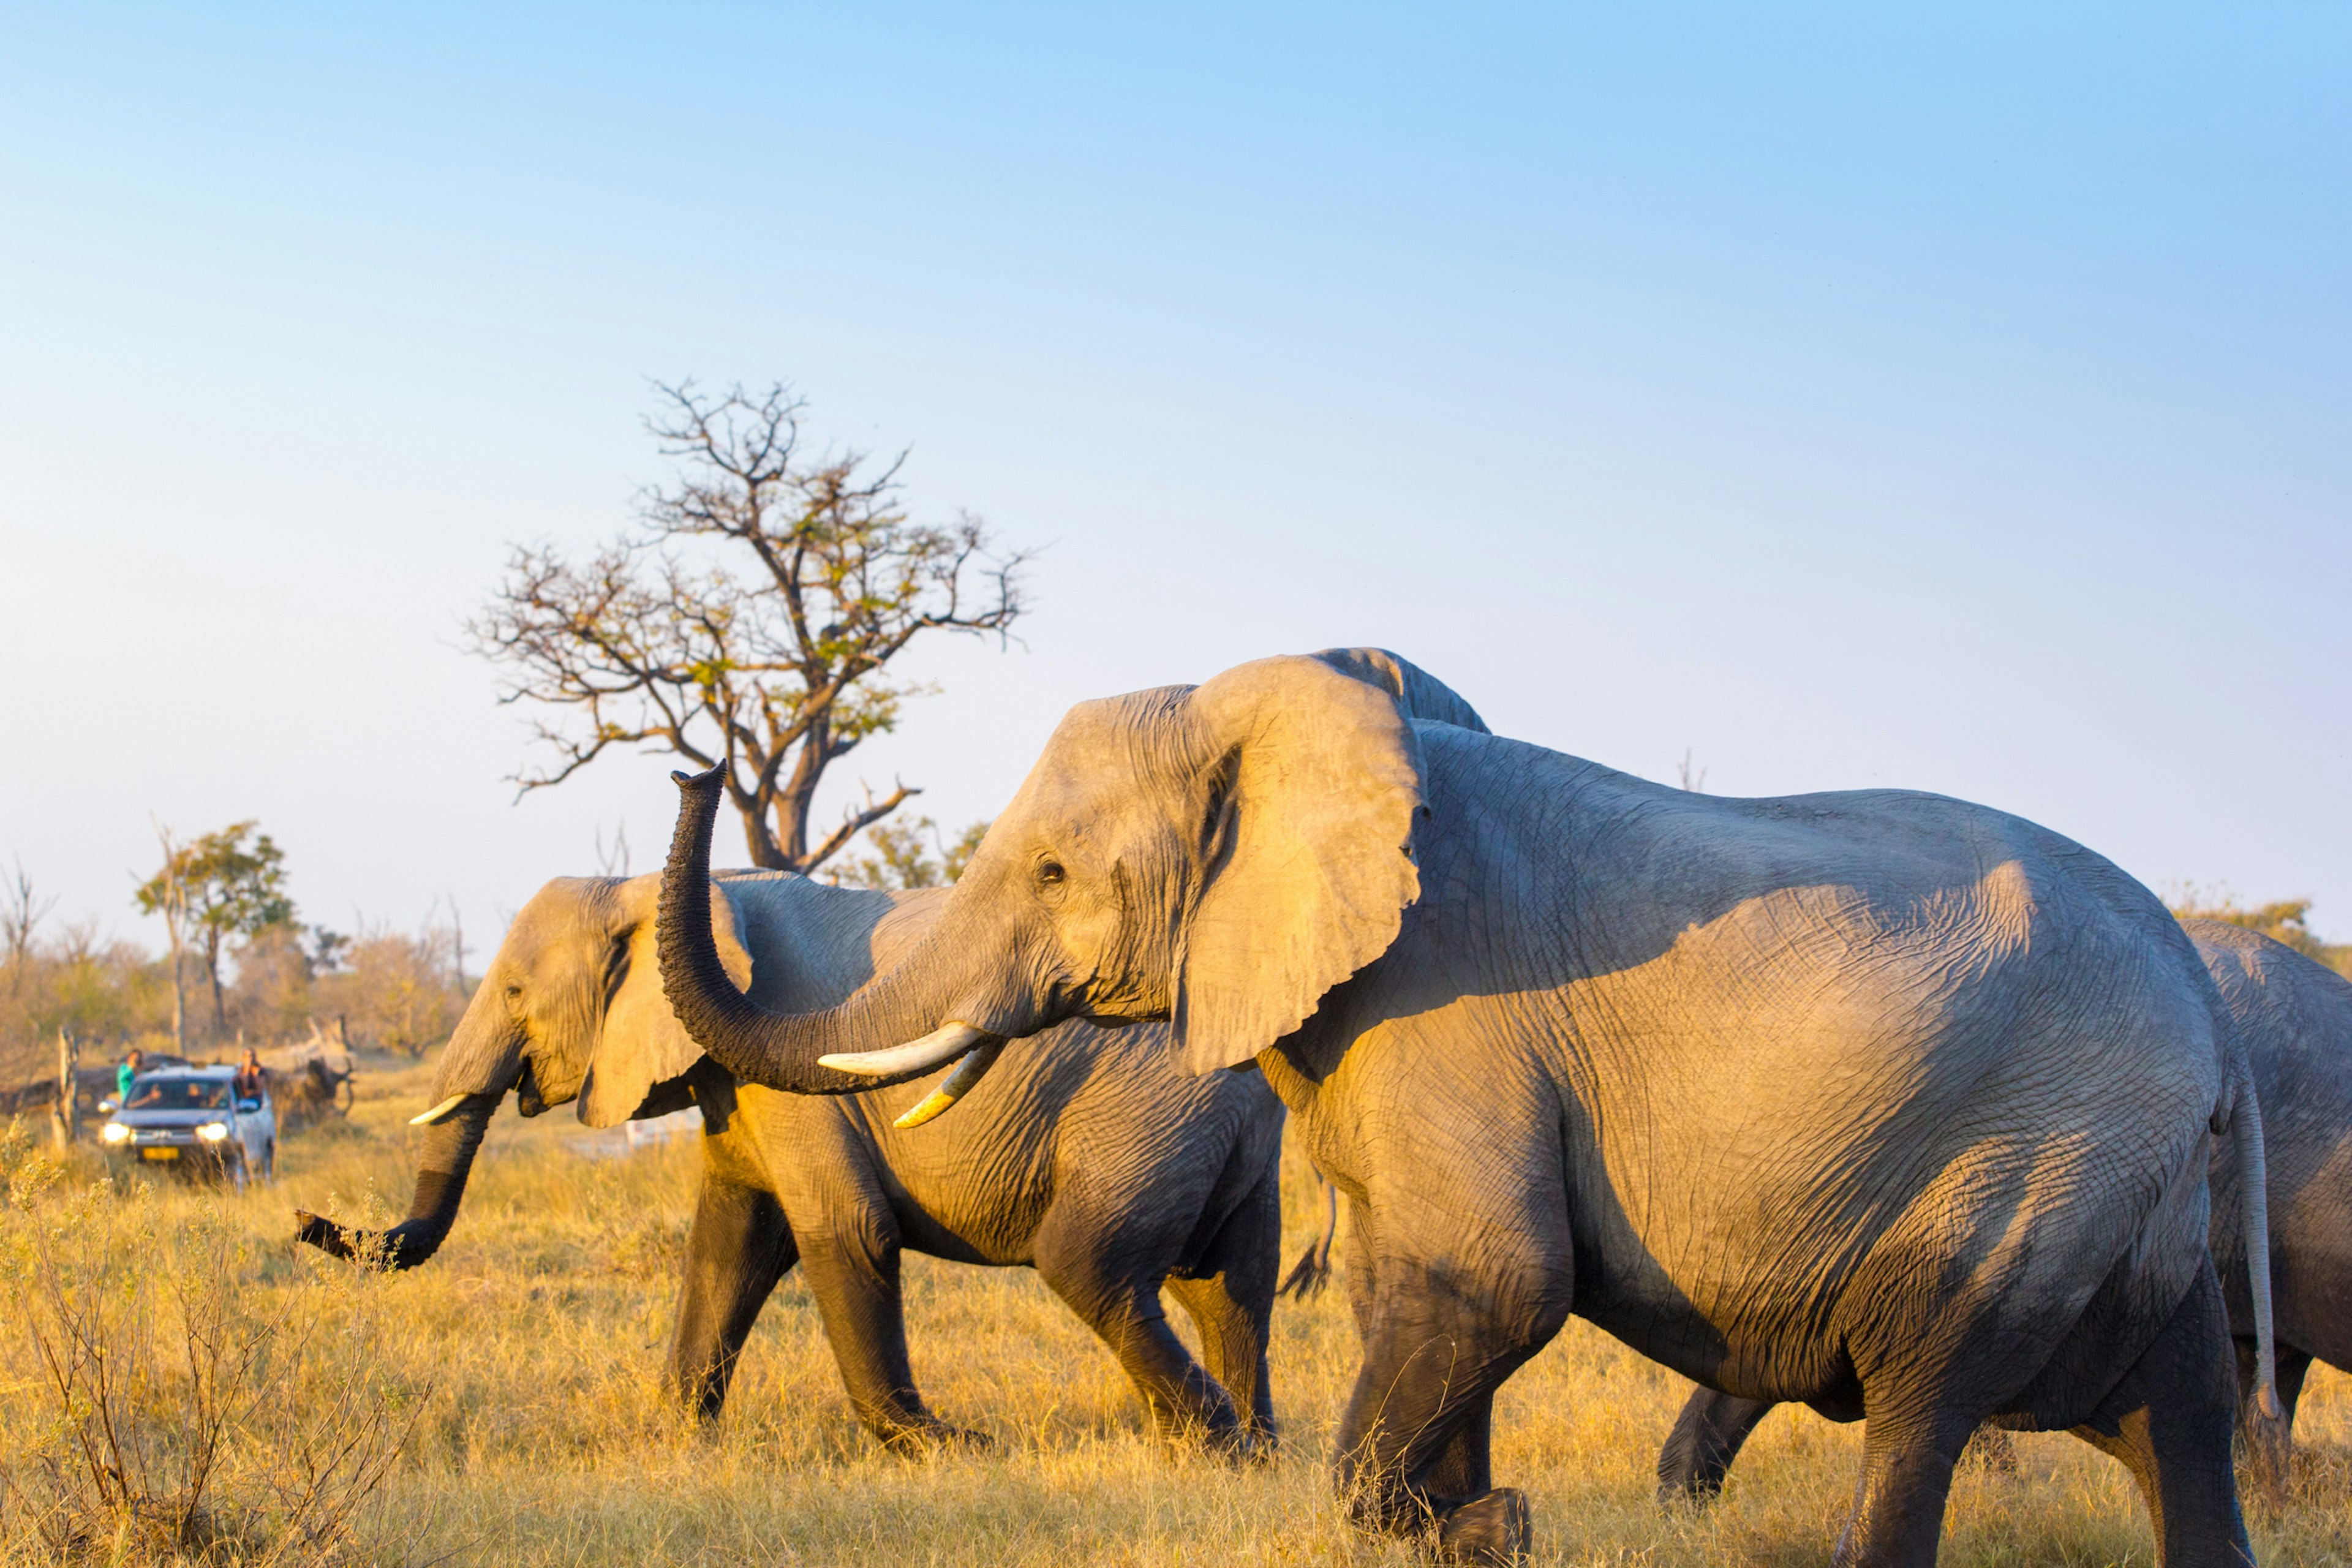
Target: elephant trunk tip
{"points": [[389, 1250], [321, 1232]]}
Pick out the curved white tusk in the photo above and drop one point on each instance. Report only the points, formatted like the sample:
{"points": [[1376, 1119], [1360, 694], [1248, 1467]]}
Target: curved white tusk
{"points": [[439, 1112], [959, 1084], [943, 1044]]}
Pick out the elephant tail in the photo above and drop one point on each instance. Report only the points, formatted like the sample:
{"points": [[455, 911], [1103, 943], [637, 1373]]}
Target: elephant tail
{"points": [[1312, 1272], [2254, 1186]]}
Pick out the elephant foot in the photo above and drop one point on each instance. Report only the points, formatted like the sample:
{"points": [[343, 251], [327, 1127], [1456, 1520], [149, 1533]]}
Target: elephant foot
{"points": [[931, 1438], [1240, 1446], [1493, 1527]]}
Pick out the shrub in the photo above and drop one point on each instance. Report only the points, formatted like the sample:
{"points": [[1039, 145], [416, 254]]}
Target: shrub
{"points": [[167, 1406]]}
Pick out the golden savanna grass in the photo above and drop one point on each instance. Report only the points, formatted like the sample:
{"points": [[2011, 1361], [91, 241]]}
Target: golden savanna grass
{"points": [[522, 1366]]}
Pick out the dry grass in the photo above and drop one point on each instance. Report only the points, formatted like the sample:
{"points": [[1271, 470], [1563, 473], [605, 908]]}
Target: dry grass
{"points": [[534, 1343]]}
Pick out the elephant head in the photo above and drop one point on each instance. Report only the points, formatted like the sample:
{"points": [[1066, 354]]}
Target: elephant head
{"points": [[572, 1008], [1220, 855]]}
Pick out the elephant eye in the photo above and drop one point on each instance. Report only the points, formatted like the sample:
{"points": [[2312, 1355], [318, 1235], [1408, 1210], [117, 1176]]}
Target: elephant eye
{"points": [[1051, 872]]}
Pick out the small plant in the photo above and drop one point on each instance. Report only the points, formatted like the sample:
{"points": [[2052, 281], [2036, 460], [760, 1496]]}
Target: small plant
{"points": [[168, 1407]]}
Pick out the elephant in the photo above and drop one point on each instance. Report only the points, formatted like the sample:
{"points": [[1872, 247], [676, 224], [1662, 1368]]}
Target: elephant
{"points": [[1097, 1161], [2295, 1017], [1880, 1101]]}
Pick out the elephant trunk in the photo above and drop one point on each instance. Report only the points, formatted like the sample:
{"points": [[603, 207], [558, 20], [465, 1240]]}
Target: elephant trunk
{"points": [[442, 1166], [787, 1051]]}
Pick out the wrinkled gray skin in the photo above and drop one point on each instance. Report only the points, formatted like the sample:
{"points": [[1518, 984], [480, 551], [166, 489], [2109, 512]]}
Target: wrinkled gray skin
{"points": [[1876, 1100], [2295, 1018], [1094, 1159]]}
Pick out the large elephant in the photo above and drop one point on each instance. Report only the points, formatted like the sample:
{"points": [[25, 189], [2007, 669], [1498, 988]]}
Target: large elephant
{"points": [[1877, 1100], [2295, 1018], [1094, 1159]]}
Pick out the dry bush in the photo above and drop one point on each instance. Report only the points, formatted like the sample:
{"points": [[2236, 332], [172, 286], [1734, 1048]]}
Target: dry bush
{"points": [[399, 993], [181, 1392]]}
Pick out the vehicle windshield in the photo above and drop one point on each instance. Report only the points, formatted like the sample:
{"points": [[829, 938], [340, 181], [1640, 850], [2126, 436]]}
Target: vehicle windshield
{"points": [[176, 1094]]}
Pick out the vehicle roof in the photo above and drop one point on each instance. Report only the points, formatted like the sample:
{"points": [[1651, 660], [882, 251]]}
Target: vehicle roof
{"points": [[191, 1072]]}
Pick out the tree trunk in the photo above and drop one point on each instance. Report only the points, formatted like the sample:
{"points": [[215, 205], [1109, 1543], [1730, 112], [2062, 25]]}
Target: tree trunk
{"points": [[65, 1121], [799, 794], [179, 990], [212, 968]]}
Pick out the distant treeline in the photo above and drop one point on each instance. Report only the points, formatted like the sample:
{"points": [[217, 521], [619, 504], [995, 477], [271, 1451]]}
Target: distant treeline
{"points": [[397, 991], [391, 990], [2280, 921]]}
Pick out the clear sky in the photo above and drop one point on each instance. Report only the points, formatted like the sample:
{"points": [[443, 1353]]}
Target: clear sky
{"points": [[1846, 395]]}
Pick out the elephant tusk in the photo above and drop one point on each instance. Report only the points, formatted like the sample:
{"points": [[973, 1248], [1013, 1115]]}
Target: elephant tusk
{"points": [[943, 1044], [959, 1084], [439, 1112]]}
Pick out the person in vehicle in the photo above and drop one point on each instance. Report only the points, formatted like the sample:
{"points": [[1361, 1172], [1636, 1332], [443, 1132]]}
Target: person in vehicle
{"points": [[252, 1079], [177, 1093], [125, 1073]]}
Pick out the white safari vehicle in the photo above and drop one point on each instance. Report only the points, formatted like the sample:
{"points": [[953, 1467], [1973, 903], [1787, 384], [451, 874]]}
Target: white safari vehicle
{"points": [[190, 1119]]}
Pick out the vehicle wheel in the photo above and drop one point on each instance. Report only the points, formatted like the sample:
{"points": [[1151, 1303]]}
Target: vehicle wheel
{"points": [[270, 1161], [233, 1172]]}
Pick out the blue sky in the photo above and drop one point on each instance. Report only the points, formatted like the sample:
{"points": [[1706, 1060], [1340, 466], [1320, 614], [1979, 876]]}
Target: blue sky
{"points": [[1847, 396]]}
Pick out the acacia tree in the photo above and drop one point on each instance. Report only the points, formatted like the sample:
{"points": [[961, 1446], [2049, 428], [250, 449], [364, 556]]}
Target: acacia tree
{"points": [[214, 888], [747, 619]]}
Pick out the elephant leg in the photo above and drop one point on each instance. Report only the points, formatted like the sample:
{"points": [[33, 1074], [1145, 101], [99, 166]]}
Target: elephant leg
{"points": [[1363, 1271], [1465, 1467], [1707, 1437], [1907, 1459], [2169, 1422], [1231, 1301], [1418, 1424], [852, 1271], [738, 1247], [1086, 1270]]}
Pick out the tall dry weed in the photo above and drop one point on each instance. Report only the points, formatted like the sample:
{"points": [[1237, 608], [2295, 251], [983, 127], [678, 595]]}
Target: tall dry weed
{"points": [[180, 1393]]}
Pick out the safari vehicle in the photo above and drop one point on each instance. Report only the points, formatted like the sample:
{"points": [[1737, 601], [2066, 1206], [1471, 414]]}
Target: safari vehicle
{"points": [[190, 1119]]}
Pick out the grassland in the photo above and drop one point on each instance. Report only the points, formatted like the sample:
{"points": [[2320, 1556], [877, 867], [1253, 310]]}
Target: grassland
{"points": [[520, 1370]]}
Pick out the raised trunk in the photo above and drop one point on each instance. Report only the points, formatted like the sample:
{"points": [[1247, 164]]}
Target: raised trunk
{"points": [[775, 1049], [442, 1167]]}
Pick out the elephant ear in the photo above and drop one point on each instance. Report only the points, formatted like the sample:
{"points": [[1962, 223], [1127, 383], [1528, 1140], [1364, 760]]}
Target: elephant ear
{"points": [[1318, 782], [1420, 694], [642, 1043]]}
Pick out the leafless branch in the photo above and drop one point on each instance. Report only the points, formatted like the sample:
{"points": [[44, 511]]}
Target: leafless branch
{"points": [[748, 620]]}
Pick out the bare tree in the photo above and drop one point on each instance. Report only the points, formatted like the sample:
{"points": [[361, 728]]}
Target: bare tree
{"points": [[166, 894], [613, 861], [748, 620], [21, 914]]}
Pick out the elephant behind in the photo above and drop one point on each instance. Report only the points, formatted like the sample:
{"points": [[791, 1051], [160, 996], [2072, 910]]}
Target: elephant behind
{"points": [[2295, 1018], [1876, 1100], [1178, 1185]]}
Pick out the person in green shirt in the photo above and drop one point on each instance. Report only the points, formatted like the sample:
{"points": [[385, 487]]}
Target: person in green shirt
{"points": [[125, 1073]]}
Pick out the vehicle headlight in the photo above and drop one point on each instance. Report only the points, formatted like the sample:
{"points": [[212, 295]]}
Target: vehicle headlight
{"points": [[213, 1132], [114, 1132]]}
